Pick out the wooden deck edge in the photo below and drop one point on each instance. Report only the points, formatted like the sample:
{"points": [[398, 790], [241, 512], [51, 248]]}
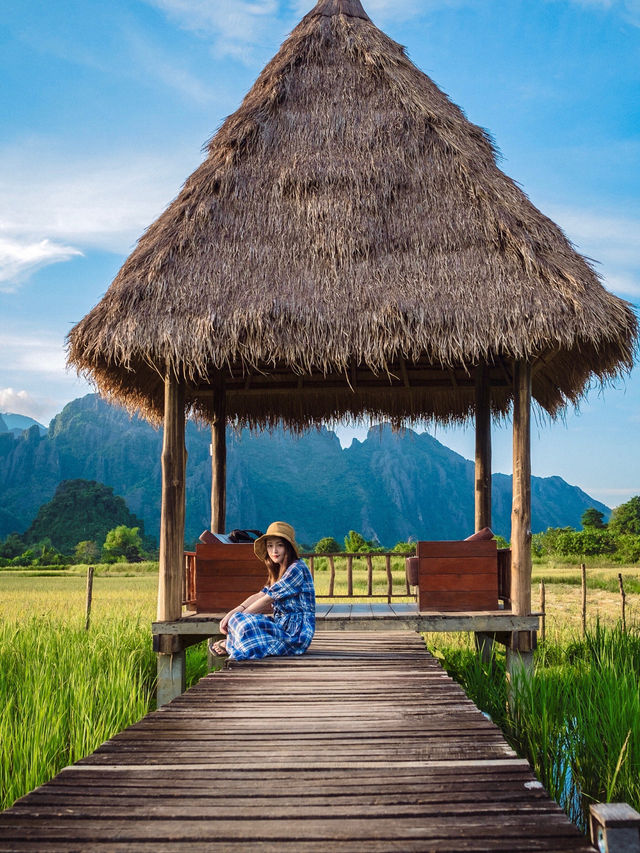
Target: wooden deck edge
{"points": [[274, 763], [207, 626]]}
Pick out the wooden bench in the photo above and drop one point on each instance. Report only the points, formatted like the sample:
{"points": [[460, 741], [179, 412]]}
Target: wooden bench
{"points": [[218, 576], [462, 575]]}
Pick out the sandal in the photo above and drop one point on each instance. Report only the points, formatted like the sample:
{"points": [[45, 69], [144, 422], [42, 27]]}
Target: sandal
{"points": [[218, 648]]}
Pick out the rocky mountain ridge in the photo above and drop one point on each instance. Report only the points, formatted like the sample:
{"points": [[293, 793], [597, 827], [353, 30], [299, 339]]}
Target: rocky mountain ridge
{"points": [[390, 487]]}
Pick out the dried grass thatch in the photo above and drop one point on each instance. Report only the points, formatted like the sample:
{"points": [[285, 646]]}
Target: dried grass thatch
{"points": [[349, 245]]}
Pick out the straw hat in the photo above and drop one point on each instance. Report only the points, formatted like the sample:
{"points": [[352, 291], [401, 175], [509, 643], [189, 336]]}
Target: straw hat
{"points": [[279, 529]]}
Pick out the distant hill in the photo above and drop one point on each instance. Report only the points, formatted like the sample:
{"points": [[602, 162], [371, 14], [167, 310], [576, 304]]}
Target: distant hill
{"points": [[80, 510], [389, 487], [18, 423]]}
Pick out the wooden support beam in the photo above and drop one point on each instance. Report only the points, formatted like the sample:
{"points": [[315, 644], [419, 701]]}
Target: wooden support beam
{"points": [[615, 827], [172, 502], [219, 461], [171, 677], [483, 448], [521, 506]]}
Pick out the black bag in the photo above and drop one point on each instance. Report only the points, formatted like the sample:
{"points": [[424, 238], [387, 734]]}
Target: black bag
{"points": [[237, 536]]}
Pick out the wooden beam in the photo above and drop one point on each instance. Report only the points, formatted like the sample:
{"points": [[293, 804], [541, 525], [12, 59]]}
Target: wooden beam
{"points": [[219, 461], [172, 502], [483, 448], [521, 505]]}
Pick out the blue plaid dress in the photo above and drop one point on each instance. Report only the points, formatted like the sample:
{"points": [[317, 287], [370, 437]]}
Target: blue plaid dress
{"points": [[289, 631]]}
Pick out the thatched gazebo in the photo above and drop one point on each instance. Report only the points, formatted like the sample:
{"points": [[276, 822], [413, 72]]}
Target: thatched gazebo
{"points": [[349, 247]]}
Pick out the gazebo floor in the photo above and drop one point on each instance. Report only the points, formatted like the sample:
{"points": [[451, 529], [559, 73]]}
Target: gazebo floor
{"points": [[331, 616], [362, 744]]}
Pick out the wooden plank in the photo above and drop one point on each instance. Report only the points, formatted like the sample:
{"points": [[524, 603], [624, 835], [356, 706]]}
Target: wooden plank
{"points": [[361, 611], [460, 549], [484, 564], [463, 581], [370, 745]]}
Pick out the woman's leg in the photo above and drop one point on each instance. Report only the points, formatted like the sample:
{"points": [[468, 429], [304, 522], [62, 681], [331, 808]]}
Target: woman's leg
{"points": [[252, 636]]}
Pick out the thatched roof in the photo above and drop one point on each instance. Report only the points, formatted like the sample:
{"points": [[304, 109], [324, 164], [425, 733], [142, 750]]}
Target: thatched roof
{"points": [[349, 245]]}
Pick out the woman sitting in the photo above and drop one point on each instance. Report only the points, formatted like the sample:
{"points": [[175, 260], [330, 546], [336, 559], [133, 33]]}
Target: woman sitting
{"points": [[289, 595]]}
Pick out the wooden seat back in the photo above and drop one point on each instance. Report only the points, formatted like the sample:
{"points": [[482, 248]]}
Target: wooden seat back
{"points": [[458, 575], [218, 576]]}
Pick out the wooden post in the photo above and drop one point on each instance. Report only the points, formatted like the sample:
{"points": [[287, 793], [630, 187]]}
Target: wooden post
{"points": [[389, 577], [519, 653], [623, 603], [483, 448], [543, 612], [482, 488], [87, 609], [350, 575], [332, 576], [583, 574], [369, 575], [219, 461], [615, 827], [171, 669]]}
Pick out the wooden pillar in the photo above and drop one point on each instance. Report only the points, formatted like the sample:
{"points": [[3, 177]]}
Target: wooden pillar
{"points": [[171, 659], [219, 461], [483, 448], [520, 655]]}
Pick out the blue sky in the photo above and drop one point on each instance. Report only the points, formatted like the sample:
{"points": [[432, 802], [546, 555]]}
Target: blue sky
{"points": [[106, 107]]}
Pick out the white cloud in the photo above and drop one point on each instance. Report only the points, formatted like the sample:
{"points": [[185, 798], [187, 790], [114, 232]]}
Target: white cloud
{"points": [[149, 61], [34, 361], [23, 403], [42, 354], [237, 27], [612, 241], [19, 259], [49, 201]]}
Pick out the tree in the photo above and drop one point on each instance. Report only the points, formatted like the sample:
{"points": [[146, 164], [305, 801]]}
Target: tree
{"points": [[86, 552], [406, 548], [355, 543], [12, 546], [592, 517], [81, 510], [123, 544], [626, 518], [328, 545]]}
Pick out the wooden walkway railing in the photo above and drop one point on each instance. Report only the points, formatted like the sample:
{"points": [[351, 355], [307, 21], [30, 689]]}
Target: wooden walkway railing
{"points": [[402, 588], [362, 744]]}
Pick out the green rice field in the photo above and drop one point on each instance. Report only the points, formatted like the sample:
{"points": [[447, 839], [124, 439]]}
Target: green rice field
{"points": [[64, 690]]}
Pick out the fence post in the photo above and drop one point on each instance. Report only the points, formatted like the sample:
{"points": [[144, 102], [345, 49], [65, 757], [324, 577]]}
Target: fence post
{"points": [[332, 577], [615, 828], [543, 611], [369, 575], [623, 603], [583, 570], [89, 597], [389, 577], [350, 575]]}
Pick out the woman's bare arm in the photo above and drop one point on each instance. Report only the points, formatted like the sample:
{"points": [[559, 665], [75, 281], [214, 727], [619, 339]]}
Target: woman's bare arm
{"points": [[256, 603]]}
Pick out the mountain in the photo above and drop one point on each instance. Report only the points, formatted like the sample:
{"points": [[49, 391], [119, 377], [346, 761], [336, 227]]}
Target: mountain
{"points": [[18, 423], [81, 510], [390, 487]]}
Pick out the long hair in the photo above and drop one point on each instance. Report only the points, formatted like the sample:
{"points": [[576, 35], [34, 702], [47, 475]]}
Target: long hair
{"points": [[273, 569]]}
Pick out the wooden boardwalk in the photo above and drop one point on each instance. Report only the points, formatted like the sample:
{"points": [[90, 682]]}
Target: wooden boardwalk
{"points": [[362, 744]]}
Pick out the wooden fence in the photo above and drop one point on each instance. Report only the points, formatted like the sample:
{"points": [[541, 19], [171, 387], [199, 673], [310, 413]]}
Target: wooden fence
{"points": [[349, 558]]}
